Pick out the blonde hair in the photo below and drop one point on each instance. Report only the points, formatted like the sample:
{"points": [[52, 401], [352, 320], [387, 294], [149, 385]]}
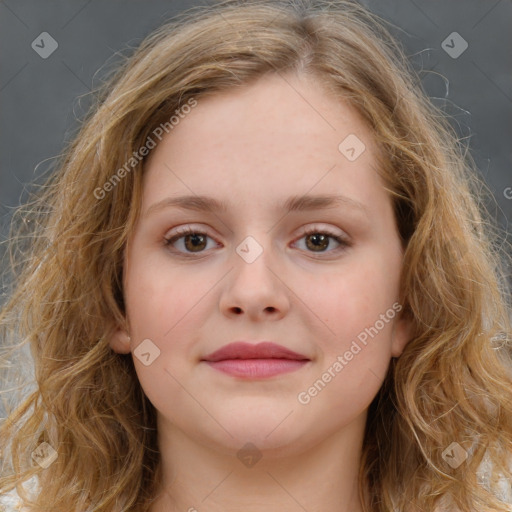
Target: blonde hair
{"points": [[451, 384]]}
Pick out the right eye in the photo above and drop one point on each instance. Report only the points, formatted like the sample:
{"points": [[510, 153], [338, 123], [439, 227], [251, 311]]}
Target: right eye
{"points": [[193, 241]]}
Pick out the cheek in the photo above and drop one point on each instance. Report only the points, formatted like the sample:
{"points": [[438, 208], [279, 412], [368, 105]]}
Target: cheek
{"points": [[351, 300], [355, 348], [160, 300], [357, 312], [162, 307]]}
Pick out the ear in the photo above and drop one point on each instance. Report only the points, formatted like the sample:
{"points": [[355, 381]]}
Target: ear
{"points": [[402, 334], [120, 341]]}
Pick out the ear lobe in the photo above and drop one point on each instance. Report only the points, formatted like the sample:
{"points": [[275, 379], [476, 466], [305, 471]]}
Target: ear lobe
{"points": [[120, 342], [402, 334]]}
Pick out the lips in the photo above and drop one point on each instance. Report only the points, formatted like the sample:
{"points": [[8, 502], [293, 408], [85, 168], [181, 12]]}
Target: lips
{"points": [[263, 350], [247, 361]]}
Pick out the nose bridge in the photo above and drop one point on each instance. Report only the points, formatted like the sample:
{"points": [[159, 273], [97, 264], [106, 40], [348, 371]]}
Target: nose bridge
{"points": [[250, 249], [254, 285], [256, 242], [254, 259]]}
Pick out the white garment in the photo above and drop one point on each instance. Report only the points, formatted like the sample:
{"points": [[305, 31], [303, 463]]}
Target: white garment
{"points": [[11, 502]]}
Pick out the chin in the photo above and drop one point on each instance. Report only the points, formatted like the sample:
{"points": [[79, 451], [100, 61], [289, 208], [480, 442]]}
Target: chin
{"points": [[264, 433]]}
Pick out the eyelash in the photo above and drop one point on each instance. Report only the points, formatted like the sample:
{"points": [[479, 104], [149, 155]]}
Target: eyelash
{"points": [[344, 243]]}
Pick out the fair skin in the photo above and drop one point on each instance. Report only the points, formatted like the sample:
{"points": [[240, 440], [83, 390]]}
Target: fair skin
{"points": [[253, 148]]}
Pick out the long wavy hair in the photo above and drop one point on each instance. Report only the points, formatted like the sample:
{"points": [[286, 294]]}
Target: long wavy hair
{"points": [[452, 383]]}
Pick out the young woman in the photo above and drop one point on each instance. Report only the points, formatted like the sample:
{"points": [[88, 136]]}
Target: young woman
{"points": [[261, 279]]}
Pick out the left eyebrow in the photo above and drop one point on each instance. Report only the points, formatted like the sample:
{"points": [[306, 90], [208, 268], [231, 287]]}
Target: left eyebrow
{"points": [[293, 203]]}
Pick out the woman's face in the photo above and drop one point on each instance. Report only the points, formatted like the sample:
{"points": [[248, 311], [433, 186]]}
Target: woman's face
{"points": [[251, 273]]}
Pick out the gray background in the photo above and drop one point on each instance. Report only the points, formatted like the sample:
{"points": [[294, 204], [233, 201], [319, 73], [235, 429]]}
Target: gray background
{"points": [[40, 102]]}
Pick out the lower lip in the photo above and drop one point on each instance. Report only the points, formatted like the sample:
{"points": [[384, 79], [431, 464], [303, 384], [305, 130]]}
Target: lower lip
{"points": [[257, 368]]}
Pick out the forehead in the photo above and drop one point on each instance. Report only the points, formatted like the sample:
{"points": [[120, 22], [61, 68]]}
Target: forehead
{"points": [[280, 136]]}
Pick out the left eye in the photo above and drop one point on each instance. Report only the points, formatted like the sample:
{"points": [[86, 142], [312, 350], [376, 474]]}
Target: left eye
{"points": [[319, 240], [195, 241]]}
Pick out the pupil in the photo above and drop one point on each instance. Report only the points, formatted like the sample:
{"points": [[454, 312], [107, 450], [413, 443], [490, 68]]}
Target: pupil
{"points": [[197, 240], [319, 238]]}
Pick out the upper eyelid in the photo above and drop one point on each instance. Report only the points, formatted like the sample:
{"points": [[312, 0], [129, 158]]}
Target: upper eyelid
{"points": [[186, 229]]}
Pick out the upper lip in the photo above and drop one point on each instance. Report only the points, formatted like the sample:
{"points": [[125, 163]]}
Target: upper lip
{"points": [[245, 350]]}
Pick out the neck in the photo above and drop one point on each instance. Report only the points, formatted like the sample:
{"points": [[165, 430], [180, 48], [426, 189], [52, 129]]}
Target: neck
{"points": [[197, 477]]}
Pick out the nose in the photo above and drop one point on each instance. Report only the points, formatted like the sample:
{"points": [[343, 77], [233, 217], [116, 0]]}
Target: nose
{"points": [[255, 288]]}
